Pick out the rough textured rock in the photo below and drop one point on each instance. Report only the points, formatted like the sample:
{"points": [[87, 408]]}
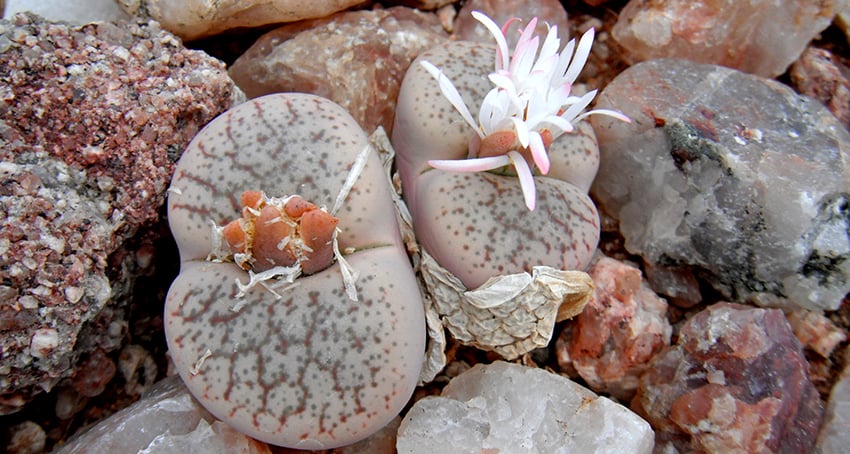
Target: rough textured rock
{"points": [[817, 332], [505, 407], [92, 119], [356, 59], [194, 19], [729, 176], [760, 37], [819, 74], [79, 12], [735, 382], [25, 438], [293, 363], [834, 437], [624, 325], [547, 11], [426, 5]]}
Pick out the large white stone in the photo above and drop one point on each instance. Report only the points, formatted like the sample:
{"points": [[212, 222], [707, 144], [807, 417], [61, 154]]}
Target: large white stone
{"points": [[505, 407], [168, 411]]}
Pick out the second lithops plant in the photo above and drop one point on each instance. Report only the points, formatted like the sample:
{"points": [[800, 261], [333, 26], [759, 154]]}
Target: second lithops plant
{"points": [[500, 194], [296, 317]]}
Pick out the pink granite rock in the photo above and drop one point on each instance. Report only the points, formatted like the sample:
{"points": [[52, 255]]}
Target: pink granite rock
{"points": [[821, 75], [678, 284], [427, 5], [92, 119], [356, 59], [296, 363], [547, 11], [623, 326], [735, 382], [761, 37], [816, 331]]}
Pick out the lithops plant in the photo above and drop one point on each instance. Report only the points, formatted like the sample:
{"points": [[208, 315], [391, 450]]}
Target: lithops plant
{"points": [[296, 317], [507, 192]]}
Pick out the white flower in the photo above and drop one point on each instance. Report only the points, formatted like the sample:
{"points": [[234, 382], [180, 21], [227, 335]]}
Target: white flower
{"points": [[530, 106]]}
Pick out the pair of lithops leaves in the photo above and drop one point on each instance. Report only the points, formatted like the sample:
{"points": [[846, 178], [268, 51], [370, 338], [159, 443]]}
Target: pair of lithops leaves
{"points": [[500, 274], [296, 317], [476, 225]]}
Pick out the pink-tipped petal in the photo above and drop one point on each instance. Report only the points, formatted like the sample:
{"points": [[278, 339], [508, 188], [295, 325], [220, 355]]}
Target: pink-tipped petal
{"points": [[526, 35], [523, 58], [470, 165], [526, 179], [451, 93], [580, 58], [501, 43], [538, 152]]}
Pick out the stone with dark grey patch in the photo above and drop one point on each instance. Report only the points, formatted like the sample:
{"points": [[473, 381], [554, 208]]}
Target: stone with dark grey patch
{"points": [[730, 177], [310, 368]]}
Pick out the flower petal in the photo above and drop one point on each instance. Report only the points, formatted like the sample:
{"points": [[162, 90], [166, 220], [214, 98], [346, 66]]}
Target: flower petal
{"points": [[580, 105], [526, 179], [564, 62], [580, 58], [521, 131], [561, 124], [611, 113], [549, 49], [523, 58], [451, 93], [470, 165], [502, 54], [538, 152]]}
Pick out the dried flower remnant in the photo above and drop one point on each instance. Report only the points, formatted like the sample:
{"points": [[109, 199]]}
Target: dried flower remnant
{"points": [[281, 238], [530, 106], [286, 232]]}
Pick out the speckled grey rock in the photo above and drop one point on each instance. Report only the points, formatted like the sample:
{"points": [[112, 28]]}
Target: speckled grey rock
{"points": [[298, 365], [92, 119], [476, 225], [504, 407], [732, 176]]}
